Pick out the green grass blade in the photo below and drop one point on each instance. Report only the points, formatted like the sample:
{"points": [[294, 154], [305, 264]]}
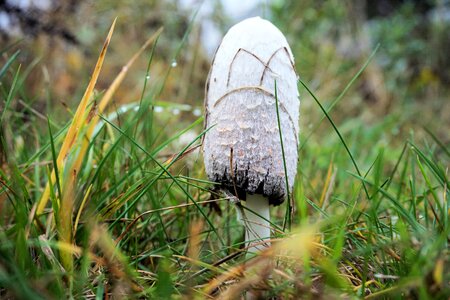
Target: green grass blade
{"points": [[11, 94], [8, 63], [165, 170], [342, 94], [438, 141], [401, 210], [289, 208], [54, 157], [339, 135]]}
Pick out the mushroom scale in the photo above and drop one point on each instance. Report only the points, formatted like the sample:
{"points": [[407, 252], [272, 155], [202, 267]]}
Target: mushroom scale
{"points": [[242, 148]]}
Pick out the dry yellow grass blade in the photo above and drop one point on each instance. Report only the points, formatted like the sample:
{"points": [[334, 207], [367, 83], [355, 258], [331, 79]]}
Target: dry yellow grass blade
{"points": [[69, 248], [92, 121], [80, 210], [326, 184], [64, 223], [195, 241], [79, 149], [438, 272], [74, 128], [83, 118], [75, 147], [292, 249]]}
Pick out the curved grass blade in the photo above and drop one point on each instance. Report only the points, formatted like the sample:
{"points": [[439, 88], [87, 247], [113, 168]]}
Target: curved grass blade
{"points": [[341, 95], [289, 206], [11, 94], [339, 135], [74, 127], [9, 63], [165, 169]]}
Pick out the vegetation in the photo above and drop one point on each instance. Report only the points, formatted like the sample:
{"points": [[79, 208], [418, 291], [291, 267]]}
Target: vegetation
{"points": [[108, 197]]}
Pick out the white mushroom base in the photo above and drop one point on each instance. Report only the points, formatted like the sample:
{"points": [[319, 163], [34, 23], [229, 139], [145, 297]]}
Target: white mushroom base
{"points": [[257, 223]]}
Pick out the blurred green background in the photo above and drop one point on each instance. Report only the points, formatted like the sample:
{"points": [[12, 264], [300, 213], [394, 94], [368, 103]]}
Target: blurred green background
{"points": [[406, 84], [386, 234]]}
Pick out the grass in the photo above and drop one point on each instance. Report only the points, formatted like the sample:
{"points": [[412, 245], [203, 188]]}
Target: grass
{"points": [[115, 205]]}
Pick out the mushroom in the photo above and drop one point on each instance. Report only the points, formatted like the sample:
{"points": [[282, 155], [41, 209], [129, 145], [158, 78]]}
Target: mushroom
{"points": [[242, 147]]}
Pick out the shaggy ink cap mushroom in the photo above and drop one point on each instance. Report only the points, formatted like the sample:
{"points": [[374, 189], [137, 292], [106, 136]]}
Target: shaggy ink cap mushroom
{"points": [[241, 112]]}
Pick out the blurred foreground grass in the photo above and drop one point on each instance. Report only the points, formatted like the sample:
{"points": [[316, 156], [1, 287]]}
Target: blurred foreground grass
{"points": [[128, 212]]}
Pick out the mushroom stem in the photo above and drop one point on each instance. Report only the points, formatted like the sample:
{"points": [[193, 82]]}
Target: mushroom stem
{"points": [[257, 223]]}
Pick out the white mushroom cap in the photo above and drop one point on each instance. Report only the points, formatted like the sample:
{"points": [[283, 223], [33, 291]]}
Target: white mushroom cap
{"points": [[241, 111]]}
